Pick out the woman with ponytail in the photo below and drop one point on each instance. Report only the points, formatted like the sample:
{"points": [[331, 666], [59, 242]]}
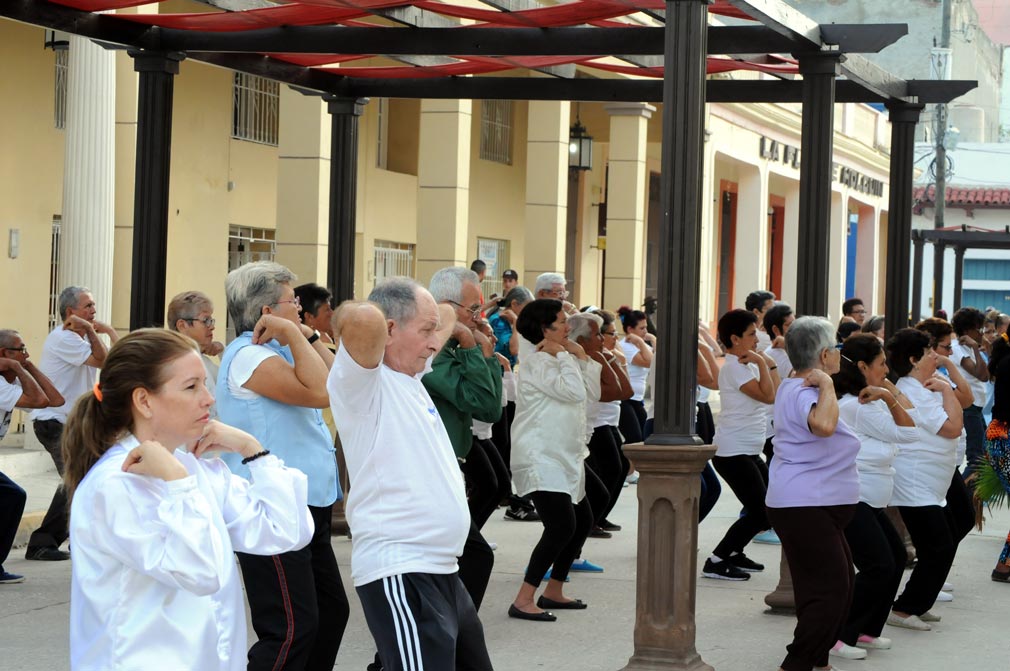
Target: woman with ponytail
{"points": [[154, 520]]}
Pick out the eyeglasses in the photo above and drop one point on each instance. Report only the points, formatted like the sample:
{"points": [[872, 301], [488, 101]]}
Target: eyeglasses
{"points": [[473, 309], [948, 347], [206, 321], [297, 302], [559, 294], [608, 333], [23, 349]]}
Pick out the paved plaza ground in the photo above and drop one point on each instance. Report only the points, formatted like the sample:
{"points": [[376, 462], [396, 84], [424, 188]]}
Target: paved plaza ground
{"points": [[734, 633]]}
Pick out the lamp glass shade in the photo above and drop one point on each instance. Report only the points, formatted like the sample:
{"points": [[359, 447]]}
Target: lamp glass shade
{"points": [[580, 148]]}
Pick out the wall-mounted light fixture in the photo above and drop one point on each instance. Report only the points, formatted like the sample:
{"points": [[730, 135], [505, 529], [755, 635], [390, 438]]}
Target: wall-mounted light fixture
{"points": [[580, 146]]}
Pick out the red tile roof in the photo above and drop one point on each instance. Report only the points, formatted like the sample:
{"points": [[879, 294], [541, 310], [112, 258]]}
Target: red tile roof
{"points": [[964, 196]]}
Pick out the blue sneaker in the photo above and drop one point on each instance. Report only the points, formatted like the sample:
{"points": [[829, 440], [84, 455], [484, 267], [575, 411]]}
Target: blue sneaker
{"points": [[768, 538], [586, 566], [10, 578]]}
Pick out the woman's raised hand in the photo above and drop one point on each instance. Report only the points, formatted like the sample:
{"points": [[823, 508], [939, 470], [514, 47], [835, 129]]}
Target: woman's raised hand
{"points": [[550, 347], [817, 378], [870, 394], [937, 383], [218, 436], [153, 459]]}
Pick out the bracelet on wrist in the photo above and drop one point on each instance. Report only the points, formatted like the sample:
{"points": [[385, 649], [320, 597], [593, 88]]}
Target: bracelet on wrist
{"points": [[255, 456], [313, 338], [772, 367]]}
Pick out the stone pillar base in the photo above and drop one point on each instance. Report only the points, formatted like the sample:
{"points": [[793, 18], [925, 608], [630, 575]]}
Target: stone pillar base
{"points": [[782, 601], [668, 490], [338, 521]]}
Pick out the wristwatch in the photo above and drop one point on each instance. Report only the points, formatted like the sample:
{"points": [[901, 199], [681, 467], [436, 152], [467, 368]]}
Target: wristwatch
{"points": [[313, 338]]}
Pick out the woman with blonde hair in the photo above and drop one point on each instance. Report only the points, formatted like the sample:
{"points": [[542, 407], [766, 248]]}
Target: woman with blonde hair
{"points": [[154, 522]]}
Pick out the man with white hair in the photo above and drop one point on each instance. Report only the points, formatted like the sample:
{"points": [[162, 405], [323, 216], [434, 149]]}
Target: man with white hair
{"points": [[408, 508], [553, 285], [465, 383]]}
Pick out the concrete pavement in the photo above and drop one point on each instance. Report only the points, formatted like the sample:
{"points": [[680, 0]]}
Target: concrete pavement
{"points": [[734, 633]]}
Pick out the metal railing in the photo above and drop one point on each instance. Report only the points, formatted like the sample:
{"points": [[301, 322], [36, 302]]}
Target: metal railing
{"points": [[60, 89], [393, 259], [255, 109], [55, 317], [496, 131]]}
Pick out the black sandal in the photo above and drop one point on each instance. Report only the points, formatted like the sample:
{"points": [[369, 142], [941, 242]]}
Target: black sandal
{"points": [[575, 604], [534, 617]]}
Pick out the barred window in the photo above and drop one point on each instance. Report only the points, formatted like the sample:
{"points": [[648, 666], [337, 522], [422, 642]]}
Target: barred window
{"points": [[495, 253], [60, 89], [496, 131], [250, 244], [255, 109], [393, 259]]}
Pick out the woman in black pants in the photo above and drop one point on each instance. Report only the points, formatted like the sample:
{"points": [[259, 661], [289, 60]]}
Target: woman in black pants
{"points": [[923, 472], [638, 346], [548, 451], [879, 416], [747, 383]]}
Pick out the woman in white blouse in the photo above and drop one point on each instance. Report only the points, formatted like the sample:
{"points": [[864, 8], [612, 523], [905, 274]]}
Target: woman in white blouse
{"points": [[638, 347], [879, 416], [922, 474], [154, 525], [553, 384]]}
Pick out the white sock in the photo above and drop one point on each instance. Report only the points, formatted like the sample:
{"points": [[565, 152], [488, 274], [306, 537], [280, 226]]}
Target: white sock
{"points": [[714, 559]]}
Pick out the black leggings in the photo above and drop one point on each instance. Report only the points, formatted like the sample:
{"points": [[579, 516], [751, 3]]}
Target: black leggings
{"points": [[747, 476], [487, 480], [501, 435], [934, 549], [566, 527], [879, 554], [632, 421], [607, 460]]}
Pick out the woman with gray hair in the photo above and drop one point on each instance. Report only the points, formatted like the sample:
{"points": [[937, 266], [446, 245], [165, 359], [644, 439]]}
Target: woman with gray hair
{"points": [[813, 489], [272, 384]]}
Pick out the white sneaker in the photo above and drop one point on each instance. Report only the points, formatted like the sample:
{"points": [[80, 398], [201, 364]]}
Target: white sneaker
{"points": [[948, 587], [871, 643], [910, 622], [944, 597], [632, 479], [846, 651], [928, 616]]}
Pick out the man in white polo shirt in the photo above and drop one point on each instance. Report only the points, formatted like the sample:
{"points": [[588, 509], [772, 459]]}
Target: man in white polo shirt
{"points": [[71, 357], [407, 508]]}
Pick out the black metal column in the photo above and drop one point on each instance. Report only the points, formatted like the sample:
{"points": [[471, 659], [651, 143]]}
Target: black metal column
{"points": [[817, 142], [344, 113], [682, 185], [939, 256], [958, 276], [899, 218], [150, 198], [918, 245]]}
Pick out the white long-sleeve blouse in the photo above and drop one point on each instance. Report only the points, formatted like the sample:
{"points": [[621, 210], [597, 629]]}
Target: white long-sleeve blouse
{"points": [[549, 430], [154, 583]]}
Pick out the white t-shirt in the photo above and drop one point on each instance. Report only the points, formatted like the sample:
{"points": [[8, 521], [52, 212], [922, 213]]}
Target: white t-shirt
{"points": [[63, 356], [637, 374], [407, 505], [10, 394], [923, 469], [958, 354], [879, 439], [212, 368], [764, 340], [243, 365], [740, 428], [781, 360]]}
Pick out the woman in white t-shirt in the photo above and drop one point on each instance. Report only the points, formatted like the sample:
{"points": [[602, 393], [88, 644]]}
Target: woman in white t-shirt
{"points": [[638, 346], [878, 414], [922, 474], [747, 384]]}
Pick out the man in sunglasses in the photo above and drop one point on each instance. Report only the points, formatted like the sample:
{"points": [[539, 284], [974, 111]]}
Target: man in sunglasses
{"points": [[191, 313], [22, 385]]}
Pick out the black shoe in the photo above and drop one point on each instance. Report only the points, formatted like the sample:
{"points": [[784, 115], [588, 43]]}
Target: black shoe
{"points": [[723, 571], [999, 576], [574, 604], [545, 616], [597, 532], [520, 514], [607, 525], [47, 554], [744, 563]]}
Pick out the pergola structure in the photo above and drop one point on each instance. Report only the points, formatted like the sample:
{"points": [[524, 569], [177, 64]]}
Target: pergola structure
{"points": [[960, 238], [666, 47]]}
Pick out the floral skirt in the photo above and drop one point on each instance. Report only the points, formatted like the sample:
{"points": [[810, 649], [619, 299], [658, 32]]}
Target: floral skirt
{"points": [[996, 468]]}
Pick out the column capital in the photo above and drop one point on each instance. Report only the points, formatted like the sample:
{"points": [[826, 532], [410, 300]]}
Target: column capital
{"points": [[904, 112], [819, 63], [342, 105], [156, 61], [630, 109]]}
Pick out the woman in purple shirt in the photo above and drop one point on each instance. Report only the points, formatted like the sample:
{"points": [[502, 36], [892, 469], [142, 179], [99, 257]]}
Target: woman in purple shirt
{"points": [[813, 488]]}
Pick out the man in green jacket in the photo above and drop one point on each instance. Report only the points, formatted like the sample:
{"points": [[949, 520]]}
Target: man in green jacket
{"points": [[465, 382]]}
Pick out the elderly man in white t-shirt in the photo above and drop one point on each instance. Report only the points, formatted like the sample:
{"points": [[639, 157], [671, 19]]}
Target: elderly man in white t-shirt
{"points": [[21, 386], [71, 356], [407, 510]]}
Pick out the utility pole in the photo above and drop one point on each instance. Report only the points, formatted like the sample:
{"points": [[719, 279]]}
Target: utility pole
{"points": [[941, 68]]}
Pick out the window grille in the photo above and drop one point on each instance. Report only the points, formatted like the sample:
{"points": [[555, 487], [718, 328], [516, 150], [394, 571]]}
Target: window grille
{"points": [[250, 244], [382, 139], [495, 253], [60, 89], [393, 259], [55, 317], [496, 131], [255, 109]]}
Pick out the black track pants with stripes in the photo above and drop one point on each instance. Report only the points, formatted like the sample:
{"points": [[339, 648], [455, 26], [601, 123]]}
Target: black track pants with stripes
{"points": [[424, 621]]}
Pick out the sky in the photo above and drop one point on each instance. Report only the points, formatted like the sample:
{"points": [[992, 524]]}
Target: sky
{"points": [[994, 17]]}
